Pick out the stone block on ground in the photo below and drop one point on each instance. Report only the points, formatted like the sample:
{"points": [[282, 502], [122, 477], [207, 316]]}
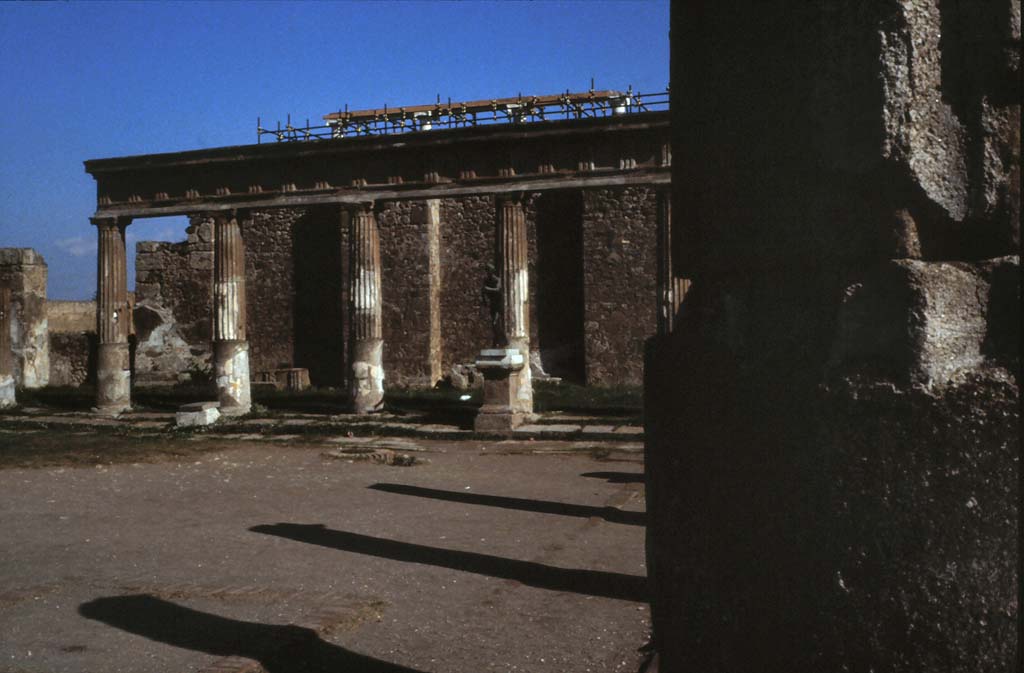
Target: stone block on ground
{"points": [[197, 414]]}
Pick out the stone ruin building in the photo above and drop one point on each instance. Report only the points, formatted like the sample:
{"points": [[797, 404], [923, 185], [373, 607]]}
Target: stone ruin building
{"points": [[358, 250]]}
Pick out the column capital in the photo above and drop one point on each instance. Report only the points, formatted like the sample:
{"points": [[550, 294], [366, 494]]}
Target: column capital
{"points": [[366, 206], [506, 197], [110, 221], [226, 215]]}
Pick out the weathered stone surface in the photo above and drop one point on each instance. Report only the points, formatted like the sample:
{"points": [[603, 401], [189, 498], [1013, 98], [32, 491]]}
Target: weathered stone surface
{"points": [[620, 281], [174, 304], [832, 431], [24, 271], [72, 357], [406, 293], [113, 378], [72, 316], [197, 414], [502, 410], [7, 398], [231, 376]]}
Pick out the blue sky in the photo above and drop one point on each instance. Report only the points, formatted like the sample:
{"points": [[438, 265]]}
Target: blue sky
{"points": [[91, 80]]}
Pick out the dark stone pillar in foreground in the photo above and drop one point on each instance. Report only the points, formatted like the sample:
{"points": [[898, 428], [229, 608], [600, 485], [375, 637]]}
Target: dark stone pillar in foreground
{"points": [[230, 346], [833, 423], [113, 365], [365, 311]]}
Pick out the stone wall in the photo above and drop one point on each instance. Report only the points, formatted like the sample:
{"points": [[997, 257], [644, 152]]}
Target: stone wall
{"points": [[174, 300], [620, 277], [296, 264], [467, 247], [72, 342], [71, 316], [833, 454], [24, 271], [405, 291]]}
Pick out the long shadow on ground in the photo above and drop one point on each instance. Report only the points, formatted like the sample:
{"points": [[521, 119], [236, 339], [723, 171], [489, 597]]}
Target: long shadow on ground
{"points": [[589, 582], [279, 649], [609, 514], [617, 477]]}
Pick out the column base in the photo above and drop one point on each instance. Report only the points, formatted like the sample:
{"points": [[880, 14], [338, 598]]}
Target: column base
{"points": [[503, 370], [231, 373], [367, 376], [521, 381], [7, 399], [113, 379]]}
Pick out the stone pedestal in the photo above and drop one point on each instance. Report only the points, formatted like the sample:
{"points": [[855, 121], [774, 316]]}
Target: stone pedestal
{"points": [[230, 348], [113, 319], [367, 343], [6, 361], [197, 414], [503, 369]]}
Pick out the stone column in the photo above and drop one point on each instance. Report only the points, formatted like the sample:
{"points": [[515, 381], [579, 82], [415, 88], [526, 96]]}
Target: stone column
{"points": [[113, 319], [511, 248], [832, 428], [671, 288], [366, 338], [230, 347], [7, 398]]}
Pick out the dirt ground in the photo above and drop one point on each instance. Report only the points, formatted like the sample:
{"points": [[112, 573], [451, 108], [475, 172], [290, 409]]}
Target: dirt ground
{"points": [[177, 554]]}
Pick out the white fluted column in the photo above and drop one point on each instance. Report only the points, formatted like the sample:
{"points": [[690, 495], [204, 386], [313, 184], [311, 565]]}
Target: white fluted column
{"points": [[230, 345], [511, 247], [365, 311]]}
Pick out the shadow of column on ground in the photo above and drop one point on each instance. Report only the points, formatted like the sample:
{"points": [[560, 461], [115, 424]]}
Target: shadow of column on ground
{"points": [[588, 582], [609, 514], [278, 648]]}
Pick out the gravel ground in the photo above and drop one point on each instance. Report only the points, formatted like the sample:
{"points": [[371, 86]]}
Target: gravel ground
{"points": [[249, 556]]}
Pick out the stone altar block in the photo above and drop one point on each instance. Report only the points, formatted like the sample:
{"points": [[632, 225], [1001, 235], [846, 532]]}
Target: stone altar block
{"points": [[501, 411]]}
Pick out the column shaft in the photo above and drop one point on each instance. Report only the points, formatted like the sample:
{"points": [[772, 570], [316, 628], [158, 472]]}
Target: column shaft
{"points": [[113, 366], [367, 342], [511, 247], [230, 347], [7, 398], [671, 288]]}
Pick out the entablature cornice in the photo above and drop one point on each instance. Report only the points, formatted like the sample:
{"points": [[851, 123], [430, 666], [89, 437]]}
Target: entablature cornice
{"points": [[434, 164]]}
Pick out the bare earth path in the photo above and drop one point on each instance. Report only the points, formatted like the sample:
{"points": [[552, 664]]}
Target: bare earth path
{"points": [[256, 554]]}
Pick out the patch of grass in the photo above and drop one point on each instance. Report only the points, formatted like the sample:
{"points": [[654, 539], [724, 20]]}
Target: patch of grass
{"points": [[599, 400], [59, 448]]}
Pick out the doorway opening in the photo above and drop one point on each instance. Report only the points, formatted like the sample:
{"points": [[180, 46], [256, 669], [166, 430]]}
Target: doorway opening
{"points": [[560, 285]]}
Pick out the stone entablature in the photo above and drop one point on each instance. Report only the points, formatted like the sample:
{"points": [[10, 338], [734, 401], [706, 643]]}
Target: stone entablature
{"points": [[611, 151]]}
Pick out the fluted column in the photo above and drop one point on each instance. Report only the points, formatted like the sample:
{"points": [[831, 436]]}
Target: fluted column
{"points": [[367, 339], [511, 248], [230, 346], [113, 318], [7, 398], [671, 288]]}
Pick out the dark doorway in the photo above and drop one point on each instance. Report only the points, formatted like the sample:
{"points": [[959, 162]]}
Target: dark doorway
{"points": [[560, 284], [319, 338]]}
